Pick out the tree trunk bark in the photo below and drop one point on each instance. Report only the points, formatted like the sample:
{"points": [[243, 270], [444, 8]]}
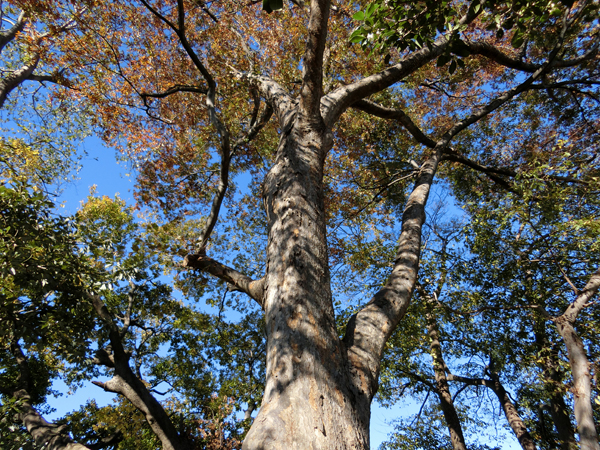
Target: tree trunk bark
{"points": [[559, 411], [443, 389], [512, 415], [580, 365], [46, 434], [582, 393], [555, 387], [309, 401], [562, 422]]}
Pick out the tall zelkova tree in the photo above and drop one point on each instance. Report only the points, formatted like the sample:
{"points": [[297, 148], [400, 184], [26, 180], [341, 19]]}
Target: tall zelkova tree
{"points": [[197, 91]]}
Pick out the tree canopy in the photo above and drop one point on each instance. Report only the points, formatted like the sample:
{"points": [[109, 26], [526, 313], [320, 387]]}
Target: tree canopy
{"points": [[285, 156]]}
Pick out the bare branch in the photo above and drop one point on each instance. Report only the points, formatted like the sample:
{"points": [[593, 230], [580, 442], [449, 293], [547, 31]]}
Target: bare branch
{"points": [[254, 288], [396, 114], [174, 89]]}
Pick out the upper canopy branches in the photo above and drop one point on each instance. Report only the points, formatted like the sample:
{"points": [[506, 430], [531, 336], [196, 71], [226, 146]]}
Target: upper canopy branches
{"points": [[187, 88]]}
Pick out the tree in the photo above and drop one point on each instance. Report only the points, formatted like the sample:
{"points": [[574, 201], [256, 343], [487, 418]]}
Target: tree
{"points": [[188, 90]]}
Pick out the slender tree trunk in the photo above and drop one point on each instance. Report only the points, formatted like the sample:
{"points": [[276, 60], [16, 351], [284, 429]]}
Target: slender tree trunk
{"points": [[510, 411], [582, 389], [309, 400], [124, 382], [558, 408], [512, 415], [580, 365], [554, 385], [562, 422], [443, 389]]}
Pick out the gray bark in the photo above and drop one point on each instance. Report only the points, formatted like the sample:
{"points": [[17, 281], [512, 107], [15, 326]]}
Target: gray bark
{"points": [[555, 386], [443, 389], [580, 365], [310, 400], [46, 434]]}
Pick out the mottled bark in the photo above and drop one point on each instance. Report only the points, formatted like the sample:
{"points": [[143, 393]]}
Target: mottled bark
{"points": [[371, 327], [310, 400], [319, 389], [580, 365]]}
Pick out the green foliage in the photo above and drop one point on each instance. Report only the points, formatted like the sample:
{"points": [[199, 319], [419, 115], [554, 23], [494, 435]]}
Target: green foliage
{"points": [[405, 25]]}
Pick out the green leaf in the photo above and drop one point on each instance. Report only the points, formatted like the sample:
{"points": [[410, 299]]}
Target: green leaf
{"points": [[517, 40], [452, 68], [359, 16], [443, 60]]}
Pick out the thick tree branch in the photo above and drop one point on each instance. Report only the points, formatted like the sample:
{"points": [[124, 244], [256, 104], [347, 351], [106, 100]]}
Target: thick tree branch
{"points": [[492, 52], [254, 288], [276, 96], [312, 66], [583, 298], [335, 103], [371, 327], [17, 77], [9, 35], [47, 435], [174, 89], [580, 365]]}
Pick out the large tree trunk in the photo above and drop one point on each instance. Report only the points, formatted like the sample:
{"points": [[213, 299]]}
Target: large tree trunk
{"points": [[309, 401]]}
